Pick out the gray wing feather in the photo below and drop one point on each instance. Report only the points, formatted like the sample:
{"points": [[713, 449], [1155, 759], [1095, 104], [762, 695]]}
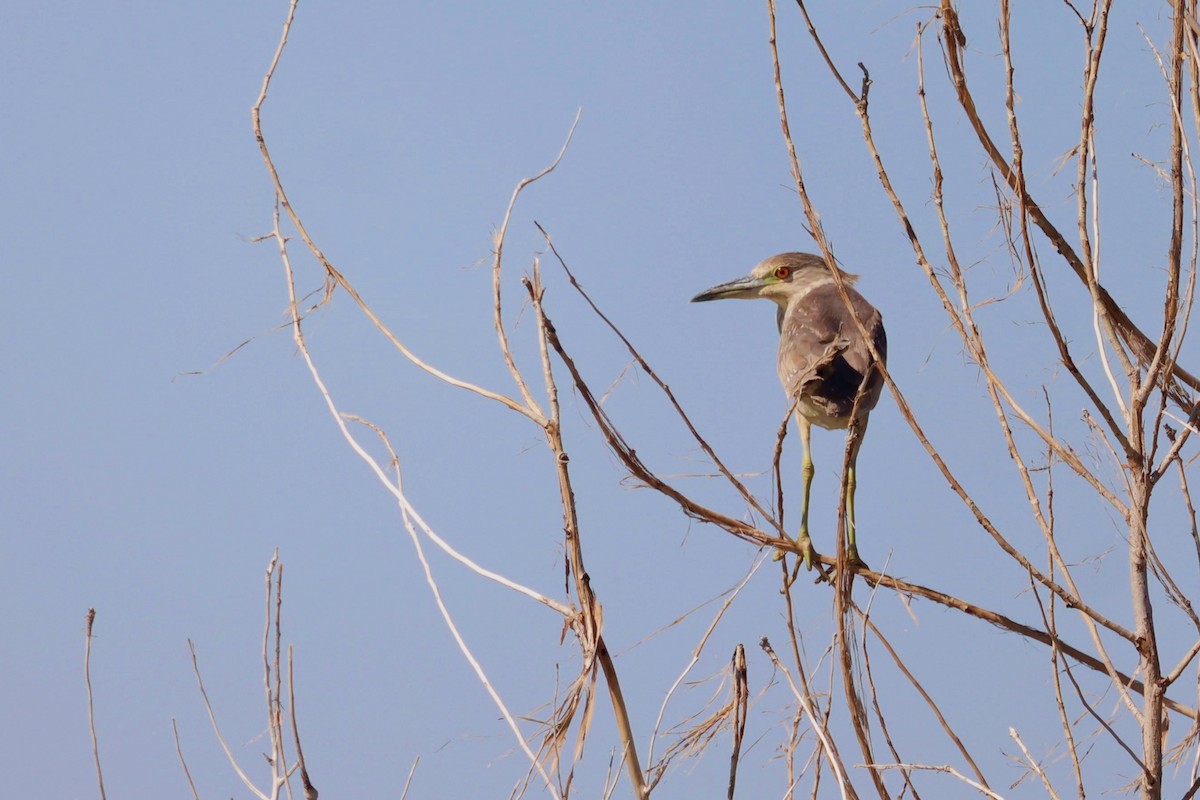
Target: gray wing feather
{"points": [[822, 355]]}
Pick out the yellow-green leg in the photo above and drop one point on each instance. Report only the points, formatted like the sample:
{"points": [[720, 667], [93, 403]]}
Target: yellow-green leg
{"points": [[851, 541], [807, 471], [856, 432]]}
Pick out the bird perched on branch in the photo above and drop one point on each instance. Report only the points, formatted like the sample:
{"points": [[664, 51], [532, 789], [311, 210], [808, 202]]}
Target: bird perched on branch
{"points": [[826, 366]]}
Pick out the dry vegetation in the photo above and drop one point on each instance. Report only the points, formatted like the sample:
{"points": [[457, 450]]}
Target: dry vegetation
{"points": [[1125, 690]]}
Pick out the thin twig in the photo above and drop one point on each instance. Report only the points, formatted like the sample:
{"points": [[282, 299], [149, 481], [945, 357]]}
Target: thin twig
{"points": [[499, 240], [1012, 732], [87, 679], [741, 693], [277, 758], [183, 762], [408, 781], [212, 718], [943, 768], [310, 791]]}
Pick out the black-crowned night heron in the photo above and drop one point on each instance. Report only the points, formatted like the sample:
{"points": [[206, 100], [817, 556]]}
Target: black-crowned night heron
{"points": [[824, 361]]}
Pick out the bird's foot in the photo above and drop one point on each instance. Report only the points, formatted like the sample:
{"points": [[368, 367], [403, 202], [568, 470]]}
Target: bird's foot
{"points": [[807, 553], [807, 556], [804, 549], [855, 563]]}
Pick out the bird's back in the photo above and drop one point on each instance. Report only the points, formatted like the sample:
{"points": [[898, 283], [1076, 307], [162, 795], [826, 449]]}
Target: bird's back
{"points": [[823, 356]]}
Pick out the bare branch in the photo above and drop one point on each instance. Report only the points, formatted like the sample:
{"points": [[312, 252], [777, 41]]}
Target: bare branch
{"points": [[741, 693], [212, 718], [183, 762], [310, 791], [87, 679], [943, 768], [498, 318], [1012, 732]]}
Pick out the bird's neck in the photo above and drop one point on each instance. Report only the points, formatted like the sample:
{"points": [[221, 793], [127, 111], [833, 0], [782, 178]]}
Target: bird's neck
{"points": [[809, 280], [802, 285]]}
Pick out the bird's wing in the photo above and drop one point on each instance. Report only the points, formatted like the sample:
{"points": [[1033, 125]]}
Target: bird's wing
{"points": [[804, 373], [819, 341]]}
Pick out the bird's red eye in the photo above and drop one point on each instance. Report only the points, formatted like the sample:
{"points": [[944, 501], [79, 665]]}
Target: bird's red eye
{"points": [[782, 273]]}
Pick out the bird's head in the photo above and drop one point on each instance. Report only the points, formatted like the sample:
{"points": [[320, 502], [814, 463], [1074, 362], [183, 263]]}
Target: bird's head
{"points": [[778, 278]]}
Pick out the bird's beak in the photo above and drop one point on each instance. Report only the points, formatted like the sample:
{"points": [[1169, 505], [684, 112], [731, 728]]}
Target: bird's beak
{"points": [[741, 289]]}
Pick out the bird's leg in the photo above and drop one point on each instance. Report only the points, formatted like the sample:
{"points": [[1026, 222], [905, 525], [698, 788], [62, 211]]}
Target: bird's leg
{"points": [[856, 431], [851, 542], [807, 471]]}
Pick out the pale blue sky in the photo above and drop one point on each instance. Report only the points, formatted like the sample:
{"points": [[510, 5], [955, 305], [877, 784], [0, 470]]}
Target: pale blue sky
{"points": [[131, 188]]}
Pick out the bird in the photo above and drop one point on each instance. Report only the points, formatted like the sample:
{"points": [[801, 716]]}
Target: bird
{"points": [[827, 369]]}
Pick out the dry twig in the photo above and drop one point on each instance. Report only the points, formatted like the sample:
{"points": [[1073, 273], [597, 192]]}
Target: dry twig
{"points": [[87, 679]]}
